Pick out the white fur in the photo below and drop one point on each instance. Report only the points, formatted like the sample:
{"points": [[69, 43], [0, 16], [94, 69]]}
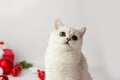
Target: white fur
{"points": [[65, 62]]}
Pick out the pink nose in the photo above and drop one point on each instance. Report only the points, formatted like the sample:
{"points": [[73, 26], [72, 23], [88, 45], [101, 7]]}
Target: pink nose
{"points": [[68, 39]]}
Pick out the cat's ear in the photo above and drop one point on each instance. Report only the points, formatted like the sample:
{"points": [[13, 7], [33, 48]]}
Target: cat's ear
{"points": [[82, 31], [58, 24]]}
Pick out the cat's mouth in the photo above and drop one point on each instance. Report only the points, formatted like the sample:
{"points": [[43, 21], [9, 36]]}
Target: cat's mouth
{"points": [[67, 43]]}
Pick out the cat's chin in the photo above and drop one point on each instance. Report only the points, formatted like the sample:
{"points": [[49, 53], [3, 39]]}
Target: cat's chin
{"points": [[64, 45], [67, 45]]}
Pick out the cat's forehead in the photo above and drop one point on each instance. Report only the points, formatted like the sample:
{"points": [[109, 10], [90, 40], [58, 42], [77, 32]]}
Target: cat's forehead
{"points": [[67, 29]]}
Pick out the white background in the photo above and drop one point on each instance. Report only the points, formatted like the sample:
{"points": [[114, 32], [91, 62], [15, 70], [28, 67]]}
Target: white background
{"points": [[25, 25]]}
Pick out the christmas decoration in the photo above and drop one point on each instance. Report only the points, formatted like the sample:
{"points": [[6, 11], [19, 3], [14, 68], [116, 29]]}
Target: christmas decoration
{"points": [[8, 53], [7, 58], [6, 64], [3, 77], [41, 74], [25, 64], [19, 66], [1, 42], [15, 71], [5, 51]]}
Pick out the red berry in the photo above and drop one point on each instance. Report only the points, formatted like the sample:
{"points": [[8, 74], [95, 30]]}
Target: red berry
{"points": [[3, 77], [1, 43], [15, 71], [41, 74]]}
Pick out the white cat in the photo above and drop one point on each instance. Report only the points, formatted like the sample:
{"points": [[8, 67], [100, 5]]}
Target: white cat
{"points": [[64, 59]]}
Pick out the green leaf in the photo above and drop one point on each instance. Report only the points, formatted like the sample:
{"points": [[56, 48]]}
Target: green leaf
{"points": [[25, 64]]}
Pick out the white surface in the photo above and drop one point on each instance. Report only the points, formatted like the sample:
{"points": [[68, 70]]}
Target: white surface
{"points": [[97, 74], [25, 75], [26, 24]]}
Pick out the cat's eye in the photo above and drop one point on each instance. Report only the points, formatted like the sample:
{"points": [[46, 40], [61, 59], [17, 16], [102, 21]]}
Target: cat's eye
{"points": [[74, 38], [62, 34]]}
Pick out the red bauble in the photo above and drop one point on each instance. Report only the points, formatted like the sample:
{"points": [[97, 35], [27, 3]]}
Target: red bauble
{"points": [[19, 66], [15, 71], [3, 77], [6, 64], [8, 53], [41, 74]]}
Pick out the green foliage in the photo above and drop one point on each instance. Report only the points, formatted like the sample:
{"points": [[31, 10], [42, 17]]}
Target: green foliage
{"points": [[25, 64]]}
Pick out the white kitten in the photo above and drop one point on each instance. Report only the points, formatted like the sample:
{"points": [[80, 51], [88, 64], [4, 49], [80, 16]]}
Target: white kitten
{"points": [[63, 59]]}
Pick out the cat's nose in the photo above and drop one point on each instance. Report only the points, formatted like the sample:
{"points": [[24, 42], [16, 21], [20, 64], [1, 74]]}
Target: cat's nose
{"points": [[68, 39]]}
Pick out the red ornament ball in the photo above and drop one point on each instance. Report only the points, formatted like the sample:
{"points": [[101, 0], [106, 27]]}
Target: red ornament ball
{"points": [[3, 77], [6, 64], [15, 72], [8, 53], [18, 65]]}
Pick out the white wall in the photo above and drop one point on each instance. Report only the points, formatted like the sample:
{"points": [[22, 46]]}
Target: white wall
{"points": [[26, 24]]}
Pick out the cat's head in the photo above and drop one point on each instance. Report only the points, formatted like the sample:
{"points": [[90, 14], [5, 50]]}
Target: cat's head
{"points": [[66, 37]]}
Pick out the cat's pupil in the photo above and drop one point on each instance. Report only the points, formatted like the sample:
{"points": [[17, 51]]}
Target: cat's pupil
{"points": [[62, 34], [74, 38]]}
